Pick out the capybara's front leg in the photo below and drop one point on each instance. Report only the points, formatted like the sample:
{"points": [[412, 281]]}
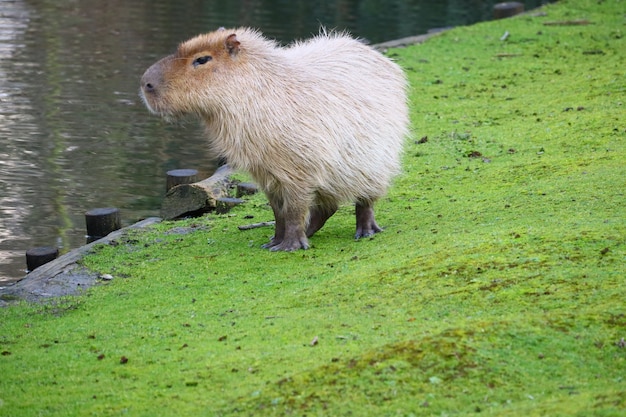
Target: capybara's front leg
{"points": [[279, 226], [295, 237], [365, 222], [289, 234]]}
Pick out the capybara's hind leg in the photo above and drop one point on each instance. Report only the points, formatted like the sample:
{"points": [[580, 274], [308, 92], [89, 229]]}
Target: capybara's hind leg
{"points": [[317, 218], [365, 222]]}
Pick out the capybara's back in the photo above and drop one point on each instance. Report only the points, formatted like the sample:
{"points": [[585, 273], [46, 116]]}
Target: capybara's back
{"points": [[316, 124]]}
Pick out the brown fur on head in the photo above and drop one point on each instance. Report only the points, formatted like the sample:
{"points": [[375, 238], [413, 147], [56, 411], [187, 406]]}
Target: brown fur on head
{"points": [[194, 64]]}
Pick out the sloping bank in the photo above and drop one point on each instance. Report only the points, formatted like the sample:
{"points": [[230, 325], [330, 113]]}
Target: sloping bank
{"points": [[496, 288]]}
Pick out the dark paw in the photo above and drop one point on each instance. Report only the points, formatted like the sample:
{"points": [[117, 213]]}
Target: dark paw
{"points": [[289, 245], [370, 230], [273, 242]]}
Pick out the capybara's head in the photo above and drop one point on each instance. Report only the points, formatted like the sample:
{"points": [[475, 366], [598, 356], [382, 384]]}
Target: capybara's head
{"points": [[184, 82]]}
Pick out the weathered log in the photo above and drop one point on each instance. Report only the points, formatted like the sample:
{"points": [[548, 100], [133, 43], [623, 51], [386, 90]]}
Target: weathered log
{"points": [[199, 196]]}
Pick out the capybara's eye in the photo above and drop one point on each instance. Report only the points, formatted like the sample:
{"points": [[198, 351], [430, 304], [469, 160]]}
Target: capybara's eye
{"points": [[202, 60]]}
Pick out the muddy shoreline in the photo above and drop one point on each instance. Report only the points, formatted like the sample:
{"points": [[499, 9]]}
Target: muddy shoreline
{"points": [[64, 275]]}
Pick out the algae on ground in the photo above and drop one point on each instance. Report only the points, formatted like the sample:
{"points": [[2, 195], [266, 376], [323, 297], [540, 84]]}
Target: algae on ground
{"points": [[497, 287]]}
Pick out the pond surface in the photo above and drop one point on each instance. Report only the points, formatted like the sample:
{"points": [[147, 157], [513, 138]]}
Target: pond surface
{"points": [[73, 133]]}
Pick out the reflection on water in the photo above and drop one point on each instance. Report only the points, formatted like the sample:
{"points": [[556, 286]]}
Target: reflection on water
{"points": [[73, 133]]}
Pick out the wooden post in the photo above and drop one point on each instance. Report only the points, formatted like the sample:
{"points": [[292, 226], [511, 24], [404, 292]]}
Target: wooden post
{"points": [[224, 204], [508, 9], [102, 221], [246, 188], [180, 176], [35, 257], [196, 197]]}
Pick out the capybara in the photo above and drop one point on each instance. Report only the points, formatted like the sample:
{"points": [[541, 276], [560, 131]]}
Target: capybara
{"points": [[317, 123]]}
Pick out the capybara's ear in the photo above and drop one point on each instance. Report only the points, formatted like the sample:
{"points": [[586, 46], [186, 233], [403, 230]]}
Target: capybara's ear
{"points": [[232, 44]]}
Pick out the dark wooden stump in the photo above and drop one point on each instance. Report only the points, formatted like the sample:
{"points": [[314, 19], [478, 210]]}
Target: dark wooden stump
{"points": [[198, 196], [180, 176], [102, 221], [224, 204], [246, 188], [508, 9], [35, 257]]}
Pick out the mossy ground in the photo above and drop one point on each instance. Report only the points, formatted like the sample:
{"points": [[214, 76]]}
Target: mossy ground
{"points": [[497, 287]]}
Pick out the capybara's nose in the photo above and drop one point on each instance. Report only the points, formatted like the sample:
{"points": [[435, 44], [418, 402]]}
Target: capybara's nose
{"points": [[148, 83], [151, 79]]}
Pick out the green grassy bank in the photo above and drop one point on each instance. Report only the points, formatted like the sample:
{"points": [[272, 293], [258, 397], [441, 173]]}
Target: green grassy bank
{"points": [[497, 288]]}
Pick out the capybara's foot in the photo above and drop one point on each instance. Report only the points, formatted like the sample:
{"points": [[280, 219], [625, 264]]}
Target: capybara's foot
{"points": [[287, 245], [273, 242], [367, 231], [365, 222]]}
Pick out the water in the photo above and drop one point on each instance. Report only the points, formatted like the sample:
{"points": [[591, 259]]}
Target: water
{"points": [[73, 132]]}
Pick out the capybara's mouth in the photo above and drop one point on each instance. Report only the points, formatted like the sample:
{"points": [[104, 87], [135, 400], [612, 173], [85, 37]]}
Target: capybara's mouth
{"points": [[154, 108], [146, 102]]}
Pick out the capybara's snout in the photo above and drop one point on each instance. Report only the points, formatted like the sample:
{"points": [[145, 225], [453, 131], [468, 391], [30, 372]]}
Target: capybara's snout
{"points": [[151, 79], [152, 85]]}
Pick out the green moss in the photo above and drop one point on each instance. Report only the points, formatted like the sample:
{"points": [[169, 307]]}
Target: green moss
{"points": [[496, 288]]}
